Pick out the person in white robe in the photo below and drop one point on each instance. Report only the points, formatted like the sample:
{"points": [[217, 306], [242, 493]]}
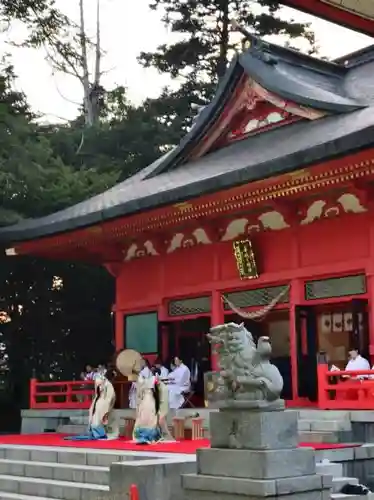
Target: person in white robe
{"points": [[102, 422], [159, 366], [357, 362], [144, 373], [179, 383], [151, 411]]}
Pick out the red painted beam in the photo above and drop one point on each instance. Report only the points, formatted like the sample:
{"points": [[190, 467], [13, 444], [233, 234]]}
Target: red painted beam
{"points": [[334, 14]]}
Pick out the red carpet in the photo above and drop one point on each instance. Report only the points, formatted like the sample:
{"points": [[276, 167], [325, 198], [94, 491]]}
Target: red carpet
{"points": [[186, 446]]}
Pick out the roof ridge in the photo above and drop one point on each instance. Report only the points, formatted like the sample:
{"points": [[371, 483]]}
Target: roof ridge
{"points": [[259, 44], [358, 57]]}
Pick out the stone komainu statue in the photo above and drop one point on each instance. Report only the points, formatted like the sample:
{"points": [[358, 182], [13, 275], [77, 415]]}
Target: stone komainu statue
{"points": [[246, 373]]}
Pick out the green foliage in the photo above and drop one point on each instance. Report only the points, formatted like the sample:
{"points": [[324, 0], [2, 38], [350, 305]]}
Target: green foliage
{"points": [[207, 43], [53, 330], [41, 18], [34, 180]]}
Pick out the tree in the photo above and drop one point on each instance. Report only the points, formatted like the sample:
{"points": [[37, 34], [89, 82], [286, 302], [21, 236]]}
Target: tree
{"points": [[34, 181], [206, 43], [51, 327], [41, 19], [127, 138], [66, 44], [57, 322], [69, 53]]}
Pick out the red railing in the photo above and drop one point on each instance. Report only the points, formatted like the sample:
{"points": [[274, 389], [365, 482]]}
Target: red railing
{"points": [[345, 390], [337, 390], [71, 395], [60, 395]]}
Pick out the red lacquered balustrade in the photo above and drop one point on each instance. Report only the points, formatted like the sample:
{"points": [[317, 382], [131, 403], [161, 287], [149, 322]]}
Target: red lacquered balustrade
{"points": [[71, 395], [345, 390], [337, 390]]}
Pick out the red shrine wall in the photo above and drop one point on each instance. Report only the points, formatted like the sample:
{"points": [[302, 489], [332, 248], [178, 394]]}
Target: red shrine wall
{"points": [[323, 248]]}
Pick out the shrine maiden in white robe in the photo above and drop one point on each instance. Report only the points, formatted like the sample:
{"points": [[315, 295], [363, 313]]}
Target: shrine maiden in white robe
{"points": [[145, 373], [179, 382]]}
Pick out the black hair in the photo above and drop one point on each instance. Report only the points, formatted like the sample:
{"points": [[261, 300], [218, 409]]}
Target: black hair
{"points": [[110, 374], [97, 395], [156, 395]]}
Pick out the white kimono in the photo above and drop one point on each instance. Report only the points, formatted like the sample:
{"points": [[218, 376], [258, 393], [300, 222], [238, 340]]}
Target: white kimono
{"points": [[101, 410], [179, 382], [144, 373], [359, 363]]}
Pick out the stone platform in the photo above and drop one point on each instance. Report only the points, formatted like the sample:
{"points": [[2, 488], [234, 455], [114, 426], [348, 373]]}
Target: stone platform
{"points": [[46, 472], [29, 473], [314, 426], [255, 455]]}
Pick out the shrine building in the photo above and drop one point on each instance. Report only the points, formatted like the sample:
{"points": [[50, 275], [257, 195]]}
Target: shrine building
{"points": [[271, 190], [357, 15]]}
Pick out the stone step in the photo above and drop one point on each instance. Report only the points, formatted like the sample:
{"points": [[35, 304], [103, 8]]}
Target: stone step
{"points": [[318, 437], [58, 471], [252, 487], [339, 482], [72, 429], [324, 425], [330, 469], [50, 488], [4, 495], [84, 456], [324, 414], [342, 496]]}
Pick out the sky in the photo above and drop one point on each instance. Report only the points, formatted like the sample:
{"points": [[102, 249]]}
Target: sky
{"points": [[127, 28]]}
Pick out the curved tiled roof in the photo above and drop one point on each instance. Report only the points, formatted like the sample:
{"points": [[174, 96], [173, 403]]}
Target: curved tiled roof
{"points": [[170, 179]]}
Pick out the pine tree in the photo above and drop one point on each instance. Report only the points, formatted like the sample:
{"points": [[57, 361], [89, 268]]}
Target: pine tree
{"points": [[41, 19], [207, 43]]}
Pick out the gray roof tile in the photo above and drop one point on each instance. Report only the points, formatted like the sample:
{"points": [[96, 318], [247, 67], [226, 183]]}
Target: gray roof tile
{"points": [[172, 179]]}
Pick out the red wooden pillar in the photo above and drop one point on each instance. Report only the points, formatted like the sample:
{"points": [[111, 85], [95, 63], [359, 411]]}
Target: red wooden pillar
{"points": [[217, 318], [370, 289], [370, 286], [296, 298], [119, 330]]}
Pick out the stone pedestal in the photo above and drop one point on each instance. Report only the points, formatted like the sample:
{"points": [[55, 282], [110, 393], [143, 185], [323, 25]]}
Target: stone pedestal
{"points": [[254, 455]]}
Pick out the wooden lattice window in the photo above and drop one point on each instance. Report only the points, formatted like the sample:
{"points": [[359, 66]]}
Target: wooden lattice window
{"points": [[257, 297], [335, 287], [185, 307]]}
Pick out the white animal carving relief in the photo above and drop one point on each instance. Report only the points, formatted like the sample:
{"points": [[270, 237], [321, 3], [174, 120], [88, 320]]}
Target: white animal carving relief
{"points": [[201, 237], [179, 241], [148, 245], [332, 212], [131, 252], [273, 220], [254, 228], [314, 212], [235, 229], [351, 203], [134, 251], [175, 243]]}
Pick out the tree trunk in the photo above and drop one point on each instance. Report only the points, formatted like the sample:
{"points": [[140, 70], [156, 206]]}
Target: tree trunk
{"points": [[224, 40], [96, 88], [88, 114]]}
